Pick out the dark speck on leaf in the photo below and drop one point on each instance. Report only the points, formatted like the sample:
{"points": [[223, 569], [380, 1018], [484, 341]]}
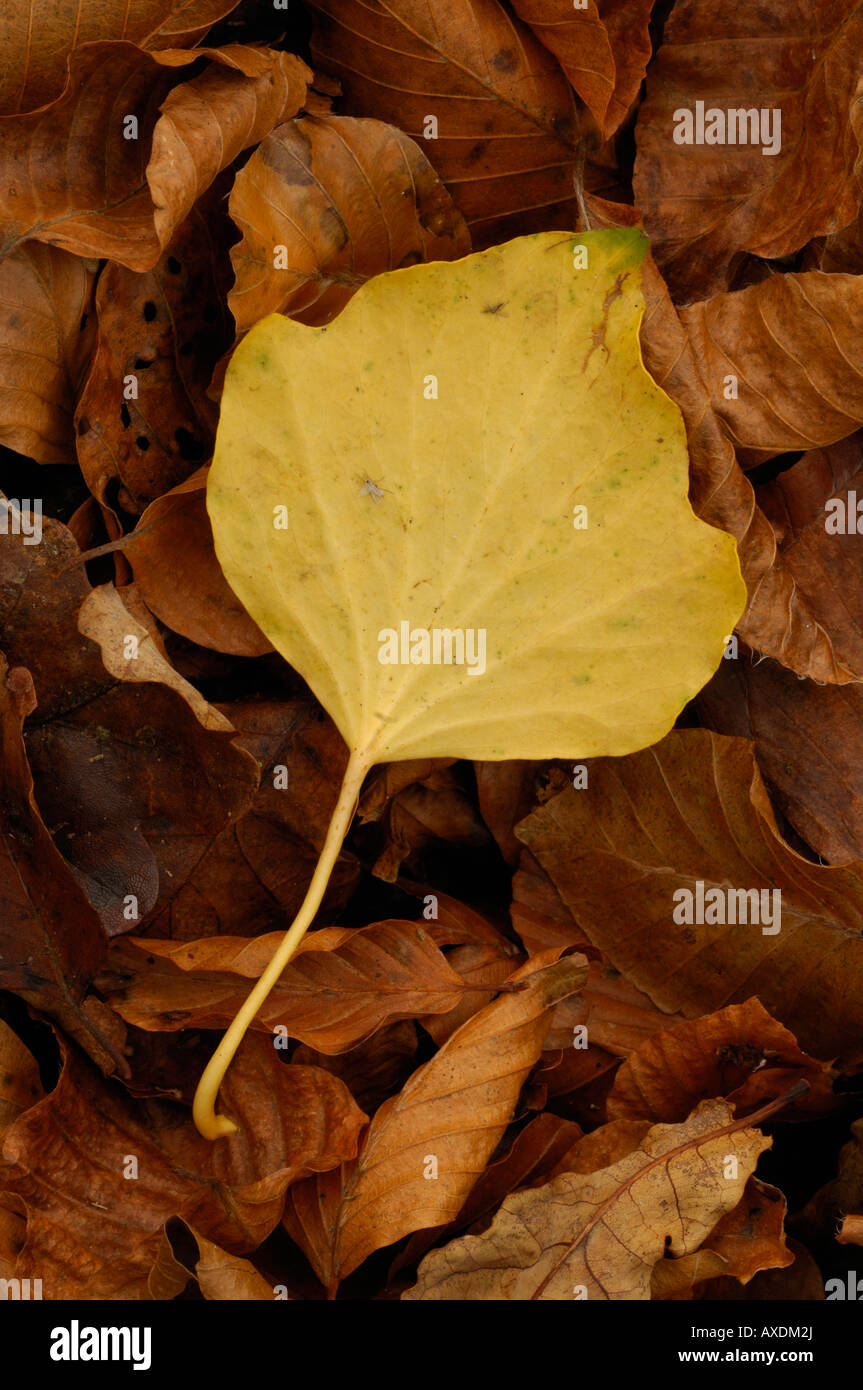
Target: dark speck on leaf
{"points": [[149, 311]]}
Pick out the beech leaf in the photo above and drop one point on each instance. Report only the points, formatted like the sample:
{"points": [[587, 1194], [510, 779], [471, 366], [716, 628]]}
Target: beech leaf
{"points": [[382, 594], [603, 1232]]}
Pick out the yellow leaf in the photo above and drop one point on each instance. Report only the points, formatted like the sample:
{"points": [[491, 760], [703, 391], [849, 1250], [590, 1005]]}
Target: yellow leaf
{"points": [[460, 512]]}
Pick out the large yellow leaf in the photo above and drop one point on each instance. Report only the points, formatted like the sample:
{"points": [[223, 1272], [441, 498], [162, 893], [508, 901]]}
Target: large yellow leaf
{"points": [[460, 512], [457, 513]]}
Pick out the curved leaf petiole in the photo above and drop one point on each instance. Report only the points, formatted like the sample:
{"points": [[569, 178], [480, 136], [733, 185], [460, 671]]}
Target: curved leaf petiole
{"points": [[209, 1124]]}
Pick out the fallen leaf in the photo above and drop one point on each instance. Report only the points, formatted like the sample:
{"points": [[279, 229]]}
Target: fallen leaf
{"points": [[51, 940], [340, 987], [557, 678], [37, 39], [46, 338], [92, 1233], [132, 783], [506, 138], [710, 822], [745, 1241], [325, 203], [453, 1110], [20, 1085], [721, 1054], [603, 47], [177, 574], [143, 419], [576, 1237], [705, 201], [788, 345], [805, 737], [103, 192]]}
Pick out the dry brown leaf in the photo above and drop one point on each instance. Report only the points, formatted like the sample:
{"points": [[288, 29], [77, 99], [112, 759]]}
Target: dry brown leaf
{"points": [[37, 37], [341, 986], [745, 1241], [20, 1085], [133, 785], [806, 735], [178, 576], [599, 1236], [251, 876], [704, 203], [693, 809], [46, 339], [99, 193], [452, 1111], [527, 1161], [778, 619], [740, 1053], [346, 199], [790, 343], [507, 137], [144, 419], [93, 1233], [51, 940], [603, 47]]}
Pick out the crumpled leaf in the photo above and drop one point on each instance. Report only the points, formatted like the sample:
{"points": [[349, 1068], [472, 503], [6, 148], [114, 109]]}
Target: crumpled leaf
{"points": [[740, 1053], [347, 200], [704, 203], [454, 1109], [98, 193], [340, 987], [507, 138], [38, 37], [46, 338], [92, 1233], [602, 46], [709, 819], [560, 676], [605, 1231]]}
